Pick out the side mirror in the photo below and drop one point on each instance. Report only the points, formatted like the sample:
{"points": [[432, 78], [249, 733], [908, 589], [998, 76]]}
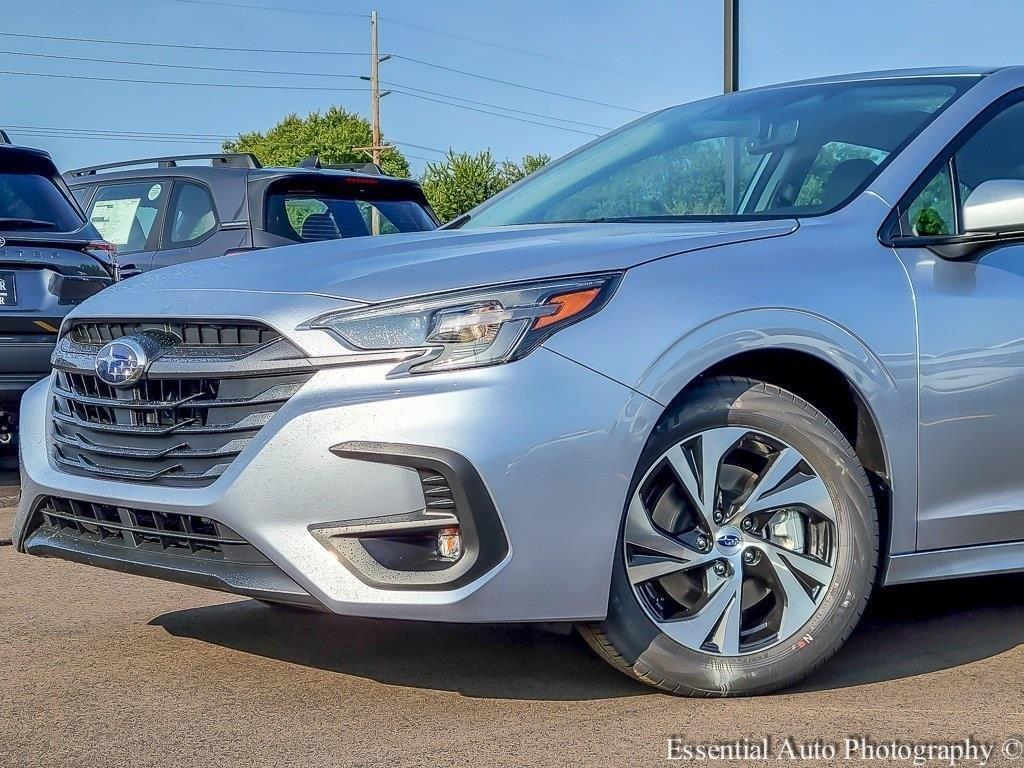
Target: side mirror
{"points": [[995, 206]]}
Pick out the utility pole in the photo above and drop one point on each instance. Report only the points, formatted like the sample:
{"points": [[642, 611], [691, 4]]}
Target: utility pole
{"points": [[375, 96], [374, 89], [732, 45]]}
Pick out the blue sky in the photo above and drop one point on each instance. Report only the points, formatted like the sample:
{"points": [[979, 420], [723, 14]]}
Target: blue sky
{"points": [[617, 59]]}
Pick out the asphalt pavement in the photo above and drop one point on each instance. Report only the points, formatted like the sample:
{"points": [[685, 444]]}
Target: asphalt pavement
{"points": [[102, 669]]}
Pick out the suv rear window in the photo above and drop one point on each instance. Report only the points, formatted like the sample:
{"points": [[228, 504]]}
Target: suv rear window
{"points": [[32, 202], [306, 217]]}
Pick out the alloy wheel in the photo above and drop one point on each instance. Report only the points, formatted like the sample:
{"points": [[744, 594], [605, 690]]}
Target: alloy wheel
{"points": [[730, 541]]}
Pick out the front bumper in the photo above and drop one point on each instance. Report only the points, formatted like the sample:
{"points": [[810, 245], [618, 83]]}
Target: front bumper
{"points": [[552, 446]]}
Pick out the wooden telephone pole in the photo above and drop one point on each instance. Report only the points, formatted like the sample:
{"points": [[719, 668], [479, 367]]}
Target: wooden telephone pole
{"points": [[374, 89], [375, 96]]}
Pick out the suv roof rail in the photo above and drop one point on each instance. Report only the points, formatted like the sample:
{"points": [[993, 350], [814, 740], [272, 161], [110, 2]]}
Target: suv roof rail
{"points": [[4, 138], [229, 159]]}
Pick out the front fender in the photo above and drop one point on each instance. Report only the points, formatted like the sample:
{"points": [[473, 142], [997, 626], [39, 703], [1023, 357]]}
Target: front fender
{"points": [[887, 386]]}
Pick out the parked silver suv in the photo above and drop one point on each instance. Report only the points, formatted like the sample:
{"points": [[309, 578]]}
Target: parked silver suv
{"points": [[698, 387]]}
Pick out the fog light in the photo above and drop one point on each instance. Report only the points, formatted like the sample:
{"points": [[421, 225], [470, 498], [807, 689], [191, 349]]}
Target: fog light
{"points": [[449, 543]]}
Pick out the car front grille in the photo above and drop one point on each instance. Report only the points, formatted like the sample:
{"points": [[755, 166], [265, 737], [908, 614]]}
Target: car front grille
{"points": [[191, 333], [167, 532], [173, 427]]}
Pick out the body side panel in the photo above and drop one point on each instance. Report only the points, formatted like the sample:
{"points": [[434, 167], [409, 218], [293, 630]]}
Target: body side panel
{"points": [[830, 290]]}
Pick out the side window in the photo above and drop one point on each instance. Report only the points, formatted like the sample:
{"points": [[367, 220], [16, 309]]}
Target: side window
{"points": [[192, 213], [125, 214], [81, 194], [931, 212], [994, 152]]}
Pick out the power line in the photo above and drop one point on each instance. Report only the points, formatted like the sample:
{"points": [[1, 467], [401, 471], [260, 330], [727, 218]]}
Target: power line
{"points": [[487, 112], [112, 139], [178, 82], [285, 88], [291, 73], [196, 67], [105, 134], [180, 46], [435, 31], [421, 62], [494, 106], [167, 134], [419, 146], [247, 7], [170, 134], [515, 85], [538, 54]]}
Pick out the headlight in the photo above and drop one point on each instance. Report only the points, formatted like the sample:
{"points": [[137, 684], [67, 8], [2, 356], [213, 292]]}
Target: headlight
{"points": [[466, 329]]}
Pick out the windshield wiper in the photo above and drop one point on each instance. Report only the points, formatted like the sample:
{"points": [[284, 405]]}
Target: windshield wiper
{"points": [[627, 219], [26, 224], [457, 222]]}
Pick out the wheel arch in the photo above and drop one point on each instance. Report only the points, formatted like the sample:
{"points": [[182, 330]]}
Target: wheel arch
{"points": [[831, 368]]}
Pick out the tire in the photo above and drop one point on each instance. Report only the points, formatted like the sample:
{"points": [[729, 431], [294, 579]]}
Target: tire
{"points": [[735, 658]]}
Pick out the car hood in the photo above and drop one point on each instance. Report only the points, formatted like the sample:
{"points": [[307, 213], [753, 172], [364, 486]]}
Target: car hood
{"points": [[369, 270]]}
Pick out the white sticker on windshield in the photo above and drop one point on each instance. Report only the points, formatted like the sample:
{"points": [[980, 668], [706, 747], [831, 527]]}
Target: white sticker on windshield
{"points": [[154, 191], [114, 219]]}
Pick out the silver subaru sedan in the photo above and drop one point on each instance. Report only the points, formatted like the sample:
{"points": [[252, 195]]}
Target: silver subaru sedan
{"points": [[699, 387]]}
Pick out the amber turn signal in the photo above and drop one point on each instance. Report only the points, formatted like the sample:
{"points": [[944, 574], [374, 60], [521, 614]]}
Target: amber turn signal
{"points": [[568, 304]]}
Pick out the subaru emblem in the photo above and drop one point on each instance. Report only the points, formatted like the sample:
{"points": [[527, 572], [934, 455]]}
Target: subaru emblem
{"points": [[729, 541], [122, 362]]}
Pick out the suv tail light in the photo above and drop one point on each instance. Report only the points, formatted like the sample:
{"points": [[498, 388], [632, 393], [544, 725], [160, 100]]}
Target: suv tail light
{"points": [[104, 251], [102, 247]]}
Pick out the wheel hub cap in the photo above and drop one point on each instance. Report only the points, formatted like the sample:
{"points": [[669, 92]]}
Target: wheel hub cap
{"points": [[739, 489], [729, 540]]}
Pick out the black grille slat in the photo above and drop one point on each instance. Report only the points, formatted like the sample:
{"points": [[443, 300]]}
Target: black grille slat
{"points": [[229, 334], [171, 532]]}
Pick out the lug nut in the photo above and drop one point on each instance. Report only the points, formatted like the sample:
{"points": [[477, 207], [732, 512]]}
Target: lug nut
{"points": [[718, 517], [751, 557], [721, 568], [748, 524], [703, 543]]}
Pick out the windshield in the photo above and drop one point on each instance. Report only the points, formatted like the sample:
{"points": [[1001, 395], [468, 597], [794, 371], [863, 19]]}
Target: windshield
{"points": [[30, 202], [310, 216], [775, 153]]}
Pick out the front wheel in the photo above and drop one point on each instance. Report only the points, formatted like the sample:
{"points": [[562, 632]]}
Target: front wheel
{"points": [[748, 548]]}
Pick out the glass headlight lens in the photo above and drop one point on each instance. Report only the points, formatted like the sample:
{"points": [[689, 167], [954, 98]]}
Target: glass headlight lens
{"points": [[465, 329]]}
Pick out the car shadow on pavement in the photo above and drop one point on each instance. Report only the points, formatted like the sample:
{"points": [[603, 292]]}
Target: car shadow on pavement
{"points": [[506, 661], [922, 628], [907, 631]]}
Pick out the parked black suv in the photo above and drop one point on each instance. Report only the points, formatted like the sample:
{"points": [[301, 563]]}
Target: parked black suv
{"points": [[171, 211], [51, 258]]}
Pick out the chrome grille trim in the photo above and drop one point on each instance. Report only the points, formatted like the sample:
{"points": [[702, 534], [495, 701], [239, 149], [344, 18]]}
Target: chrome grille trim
{"points": [[181, 425]]}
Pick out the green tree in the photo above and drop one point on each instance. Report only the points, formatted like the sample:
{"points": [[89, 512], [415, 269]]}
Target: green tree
{"points": [[463, 180], [332, 135]]}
